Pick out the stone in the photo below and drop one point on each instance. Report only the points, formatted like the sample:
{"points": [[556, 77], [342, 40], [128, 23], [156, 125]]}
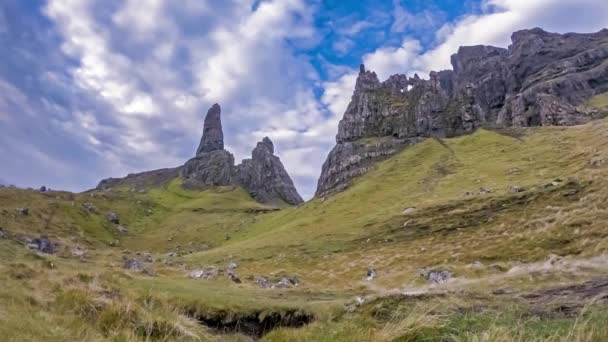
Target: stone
{"points": [[517, 189], [233, 276], [436, 276], [2, 233], [262, 282], [408, 211], [133, 265], [204, 273], [121, 230], [148, 258], [371, 274], [43, 188], [23, 211], [42, 244], [542, 79], [79, 252], [232, 265], [89, 208], [113, 217]]}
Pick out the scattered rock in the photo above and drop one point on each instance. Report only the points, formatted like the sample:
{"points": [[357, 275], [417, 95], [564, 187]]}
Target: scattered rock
{"points": [[133, 265], [2, 233], [23, 211], [232, 265], [436, 276], [113, 217], [484, 191], [149, 271], [371, 274], [407, 223], [79, 252], [121, 230], [475, 265], [89, 208], [42, 244], [233, 276], [204, 273], [408, 211], [287, 282], [148, 258], [516, 189], [262, 282]]}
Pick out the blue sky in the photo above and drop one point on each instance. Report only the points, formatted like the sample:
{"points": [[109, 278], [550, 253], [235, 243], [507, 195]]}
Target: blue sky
{"points": [[97, 88]]}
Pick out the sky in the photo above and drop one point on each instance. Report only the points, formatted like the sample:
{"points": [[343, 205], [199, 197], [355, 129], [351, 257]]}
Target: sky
{"points": [[91, 89]]}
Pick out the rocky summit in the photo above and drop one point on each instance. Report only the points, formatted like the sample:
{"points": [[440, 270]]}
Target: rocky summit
{"points": [[263, 176], [542, 79]]}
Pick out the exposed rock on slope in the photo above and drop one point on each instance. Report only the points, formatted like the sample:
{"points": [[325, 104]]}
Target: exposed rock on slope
{"points": [[541, 79], [263, 176], [140, 180]]}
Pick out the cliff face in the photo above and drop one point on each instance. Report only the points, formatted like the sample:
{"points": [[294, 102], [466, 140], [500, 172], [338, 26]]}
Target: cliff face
{"points": [[263, 176], [541, 79]]}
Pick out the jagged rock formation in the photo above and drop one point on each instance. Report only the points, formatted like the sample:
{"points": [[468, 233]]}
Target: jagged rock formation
{"points": [[212, 166], [541, 79], [263, 176]]}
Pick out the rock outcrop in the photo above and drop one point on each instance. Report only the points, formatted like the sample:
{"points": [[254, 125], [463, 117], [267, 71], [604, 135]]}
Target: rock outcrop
{"points": [[263, 176], [541, 79], [213, 135], [212, 166]]}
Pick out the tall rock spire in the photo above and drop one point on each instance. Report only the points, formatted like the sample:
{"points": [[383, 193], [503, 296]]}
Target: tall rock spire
{"points": [[213, 137]]}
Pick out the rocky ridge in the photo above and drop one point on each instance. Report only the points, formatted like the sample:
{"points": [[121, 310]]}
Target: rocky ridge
{"points": [[542, 79], [263, 176]]}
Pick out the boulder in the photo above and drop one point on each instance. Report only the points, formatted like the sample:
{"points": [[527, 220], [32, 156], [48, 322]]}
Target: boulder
{"points": [[113, 217], [204, 273], [436, 276], [121, 230], [42, 244], [371, 274]]}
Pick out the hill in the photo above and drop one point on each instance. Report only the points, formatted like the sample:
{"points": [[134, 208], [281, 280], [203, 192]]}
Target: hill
{"points": [[467, 207], [508, 214]]}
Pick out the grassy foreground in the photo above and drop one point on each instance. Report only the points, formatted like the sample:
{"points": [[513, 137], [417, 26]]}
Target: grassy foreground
{"points": [[517, 216]]}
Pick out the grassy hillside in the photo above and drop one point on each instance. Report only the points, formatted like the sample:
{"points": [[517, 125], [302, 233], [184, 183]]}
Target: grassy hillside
{"points": [[517, 216]]}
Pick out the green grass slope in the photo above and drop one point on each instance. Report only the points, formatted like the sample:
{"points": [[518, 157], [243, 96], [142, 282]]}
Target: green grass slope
{"points": [[491, 207]]}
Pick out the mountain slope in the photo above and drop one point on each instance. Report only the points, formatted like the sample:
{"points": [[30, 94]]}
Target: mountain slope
{"points": [[494, 241], [542, 79]]}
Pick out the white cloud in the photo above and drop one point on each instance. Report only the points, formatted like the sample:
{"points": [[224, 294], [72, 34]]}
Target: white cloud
{"points": [[404, 20]]}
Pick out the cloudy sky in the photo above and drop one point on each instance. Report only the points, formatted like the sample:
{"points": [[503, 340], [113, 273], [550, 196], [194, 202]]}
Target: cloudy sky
{"points": [[97, 88]]}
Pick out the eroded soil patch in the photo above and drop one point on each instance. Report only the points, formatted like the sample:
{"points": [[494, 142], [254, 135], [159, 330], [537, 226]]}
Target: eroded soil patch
{"points": [[255, 324]]}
